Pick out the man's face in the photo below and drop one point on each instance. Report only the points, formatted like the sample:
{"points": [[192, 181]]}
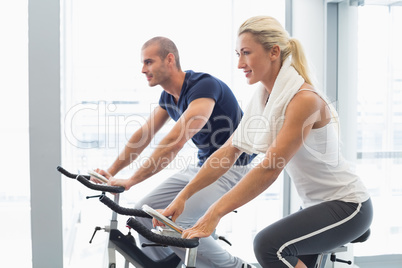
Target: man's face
{"points": [[154, 68]]}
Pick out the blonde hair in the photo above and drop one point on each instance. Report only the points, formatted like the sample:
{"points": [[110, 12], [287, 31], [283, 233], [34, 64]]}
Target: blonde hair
{"points": [[269, 32]]}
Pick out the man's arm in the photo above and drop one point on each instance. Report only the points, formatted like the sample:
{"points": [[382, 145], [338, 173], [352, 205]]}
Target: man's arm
{"points": [[190, 123], [140, 140]]}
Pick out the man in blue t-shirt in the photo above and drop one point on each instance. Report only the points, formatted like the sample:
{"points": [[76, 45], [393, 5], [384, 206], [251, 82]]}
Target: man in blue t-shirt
{"points": [[206, 111]]}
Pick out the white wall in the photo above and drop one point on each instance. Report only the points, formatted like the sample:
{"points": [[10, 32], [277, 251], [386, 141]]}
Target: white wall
{"points": [[347, 79], [309, 29]]}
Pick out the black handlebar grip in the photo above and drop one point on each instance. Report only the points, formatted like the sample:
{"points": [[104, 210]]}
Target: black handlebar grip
{"points": [[161, 239], [100, 187], [70, 175], [84, 179], [121, 210]]}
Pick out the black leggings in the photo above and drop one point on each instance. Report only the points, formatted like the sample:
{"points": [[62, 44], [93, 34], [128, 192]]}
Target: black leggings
{"points": [[308, 232]]}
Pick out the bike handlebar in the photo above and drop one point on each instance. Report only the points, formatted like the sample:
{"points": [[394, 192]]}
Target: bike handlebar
{"points": [[161, 239], [68, 174], [133, 223], [144, 231], [84, 179], [121, 210]]}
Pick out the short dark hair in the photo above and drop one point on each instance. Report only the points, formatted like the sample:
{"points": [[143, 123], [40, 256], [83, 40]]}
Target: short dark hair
{"points": [[166, 46]]}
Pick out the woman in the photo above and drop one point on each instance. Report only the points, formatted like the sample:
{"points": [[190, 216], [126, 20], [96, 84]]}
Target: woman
{"points": [[296, 128]]}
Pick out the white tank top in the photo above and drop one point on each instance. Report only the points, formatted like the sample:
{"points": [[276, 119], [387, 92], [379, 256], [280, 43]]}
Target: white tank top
{"points": [[320, 173]]}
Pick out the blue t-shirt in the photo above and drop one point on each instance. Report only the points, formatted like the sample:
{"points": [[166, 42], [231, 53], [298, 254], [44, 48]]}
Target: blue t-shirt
{"points": [[223, 121]]}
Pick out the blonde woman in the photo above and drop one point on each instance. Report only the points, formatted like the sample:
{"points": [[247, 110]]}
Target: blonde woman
{"points": [[294, 126]]}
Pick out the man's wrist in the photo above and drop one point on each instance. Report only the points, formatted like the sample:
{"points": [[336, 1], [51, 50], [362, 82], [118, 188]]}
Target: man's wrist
{"points": [[186, 193], [133, 180], [112, 171]]}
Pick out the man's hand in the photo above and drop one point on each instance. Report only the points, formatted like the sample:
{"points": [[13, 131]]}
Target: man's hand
{"points": [[102, 172], [126, 183], [174, 210], [111, 180]]}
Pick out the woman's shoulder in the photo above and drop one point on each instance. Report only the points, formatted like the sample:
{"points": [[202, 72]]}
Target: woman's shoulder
{"points": [[306, 88], [305, 101], [307, 93]]}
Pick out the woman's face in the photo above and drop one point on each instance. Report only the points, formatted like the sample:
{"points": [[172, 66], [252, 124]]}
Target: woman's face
{"points": [[253, 59]]}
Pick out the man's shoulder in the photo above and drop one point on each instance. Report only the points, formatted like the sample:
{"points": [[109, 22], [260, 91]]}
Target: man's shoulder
{"points": [[197, 76], [204, 79]]}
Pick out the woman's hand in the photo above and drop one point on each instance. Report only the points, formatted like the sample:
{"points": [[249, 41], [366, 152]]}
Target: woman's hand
{"points": [[204, 227]]}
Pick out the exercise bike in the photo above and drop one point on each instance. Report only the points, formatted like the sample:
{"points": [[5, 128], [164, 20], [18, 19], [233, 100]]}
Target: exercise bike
{"points": [[126, 244]]}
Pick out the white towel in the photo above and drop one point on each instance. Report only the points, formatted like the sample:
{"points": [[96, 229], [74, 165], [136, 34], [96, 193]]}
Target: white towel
{"points": [[262, 120]]}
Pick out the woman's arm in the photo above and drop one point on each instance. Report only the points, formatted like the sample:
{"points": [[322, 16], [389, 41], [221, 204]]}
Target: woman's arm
{"points": [[302, 113]]}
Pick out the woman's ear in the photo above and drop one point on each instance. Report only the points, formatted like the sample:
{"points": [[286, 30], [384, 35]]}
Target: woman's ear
{"points": [[275, 52]]}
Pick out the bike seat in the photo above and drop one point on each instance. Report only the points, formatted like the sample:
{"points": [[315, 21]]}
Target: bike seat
{"points": [[363, 237]]}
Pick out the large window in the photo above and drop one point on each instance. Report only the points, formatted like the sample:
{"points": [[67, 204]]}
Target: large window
{"points": [[380, 123], [106, 98], [15, 231]]}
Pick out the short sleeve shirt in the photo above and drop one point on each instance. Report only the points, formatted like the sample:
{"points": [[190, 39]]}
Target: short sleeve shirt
{"points": [[224, 119]]}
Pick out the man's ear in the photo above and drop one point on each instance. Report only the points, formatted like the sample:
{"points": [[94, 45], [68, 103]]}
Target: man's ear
{"points": [[171, 59]]}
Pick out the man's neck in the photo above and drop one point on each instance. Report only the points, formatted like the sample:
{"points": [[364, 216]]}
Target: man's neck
{"points": [[175, 84]]}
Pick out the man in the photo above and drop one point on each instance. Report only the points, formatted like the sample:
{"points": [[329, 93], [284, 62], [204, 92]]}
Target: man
{"points": [[206, 111]]}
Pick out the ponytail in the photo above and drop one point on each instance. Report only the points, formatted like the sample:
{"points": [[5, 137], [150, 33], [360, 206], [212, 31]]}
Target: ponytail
{"points": [[299, 61]]}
